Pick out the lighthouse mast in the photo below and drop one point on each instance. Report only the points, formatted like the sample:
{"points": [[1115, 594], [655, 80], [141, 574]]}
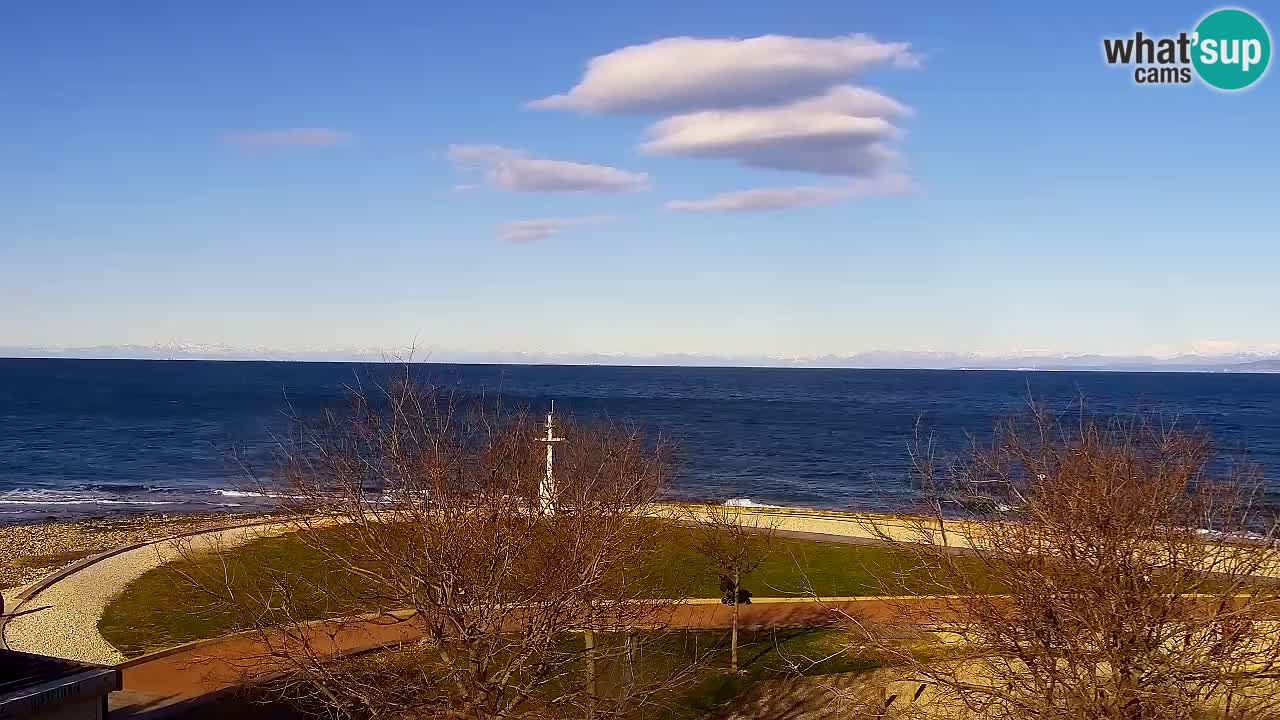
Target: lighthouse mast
{"points": [[547, 491]]}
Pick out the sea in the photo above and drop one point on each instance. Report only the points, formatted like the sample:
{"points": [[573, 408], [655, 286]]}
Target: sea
{"points": [[94, 438]]}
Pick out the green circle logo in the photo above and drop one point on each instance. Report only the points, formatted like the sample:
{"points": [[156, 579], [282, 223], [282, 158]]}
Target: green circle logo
{"points": [[1231, 49]]}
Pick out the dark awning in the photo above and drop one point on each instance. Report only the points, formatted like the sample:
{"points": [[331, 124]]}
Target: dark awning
{"points": [[37, 683]]}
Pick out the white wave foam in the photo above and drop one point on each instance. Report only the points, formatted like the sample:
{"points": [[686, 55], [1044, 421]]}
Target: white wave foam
{"points": [[259, 495], [40, 497], [747, 503], [28, 500], [239, 493], [86, 501], [385, 498]]}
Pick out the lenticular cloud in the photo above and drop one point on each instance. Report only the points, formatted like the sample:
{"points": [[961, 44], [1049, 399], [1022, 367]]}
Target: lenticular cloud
{"points": [[518, 171], [681, 74], [789, 197], [842, 132], [772, 102]]}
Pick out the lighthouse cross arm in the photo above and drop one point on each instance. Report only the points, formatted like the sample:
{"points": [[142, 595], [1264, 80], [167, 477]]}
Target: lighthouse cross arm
{"points": [[551, 429]]}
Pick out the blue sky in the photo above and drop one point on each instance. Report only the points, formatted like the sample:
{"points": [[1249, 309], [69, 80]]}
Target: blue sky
{"points": [[317, 175]]}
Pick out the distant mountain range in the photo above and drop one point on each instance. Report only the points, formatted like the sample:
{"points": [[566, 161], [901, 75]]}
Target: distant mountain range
{"points": [[1262, 362]]}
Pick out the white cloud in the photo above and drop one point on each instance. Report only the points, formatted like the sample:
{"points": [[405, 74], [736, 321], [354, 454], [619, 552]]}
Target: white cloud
{"points": [[536, 229], [518, 171], [841, 132], [290, 137], [789, 197], [680, 74]]}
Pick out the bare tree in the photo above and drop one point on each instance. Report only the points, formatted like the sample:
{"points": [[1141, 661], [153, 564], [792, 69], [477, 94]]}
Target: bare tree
{"points": [[424, 512], [1090, 569], [734, 543]]}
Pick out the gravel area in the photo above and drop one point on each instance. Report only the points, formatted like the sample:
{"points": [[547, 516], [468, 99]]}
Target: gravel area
{"points": [[67, 626], [30, 552]]}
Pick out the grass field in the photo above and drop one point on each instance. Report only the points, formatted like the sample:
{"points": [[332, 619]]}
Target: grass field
{"points": [[162, 609], [765, 655]]}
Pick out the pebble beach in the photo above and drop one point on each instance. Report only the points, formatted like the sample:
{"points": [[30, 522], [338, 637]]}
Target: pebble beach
{"points": [[29, 552]]}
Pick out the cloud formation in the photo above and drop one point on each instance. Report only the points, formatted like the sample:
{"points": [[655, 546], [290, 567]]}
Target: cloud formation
{"points": [[518, 171], [772, 102], [789, 197], [841, 132], [522, 231], [289, 137], [682, 74]]}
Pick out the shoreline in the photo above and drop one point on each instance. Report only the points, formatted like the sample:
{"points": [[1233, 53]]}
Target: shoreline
{"points": [[255, 504]]}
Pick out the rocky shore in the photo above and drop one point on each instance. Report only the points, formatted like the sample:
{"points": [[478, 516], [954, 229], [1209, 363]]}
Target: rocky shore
{"points": [[29, 552]]}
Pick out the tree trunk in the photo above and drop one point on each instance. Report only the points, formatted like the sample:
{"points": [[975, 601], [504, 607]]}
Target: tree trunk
{"points": [[733, 637], [630, 669], [589, 644]]}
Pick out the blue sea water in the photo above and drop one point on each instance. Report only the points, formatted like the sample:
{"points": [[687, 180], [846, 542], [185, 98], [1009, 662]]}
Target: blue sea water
{"points": [[94, 437]]}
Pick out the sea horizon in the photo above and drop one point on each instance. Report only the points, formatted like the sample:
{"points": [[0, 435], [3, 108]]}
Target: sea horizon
{"points": [[1240, 368], [115, 436]]}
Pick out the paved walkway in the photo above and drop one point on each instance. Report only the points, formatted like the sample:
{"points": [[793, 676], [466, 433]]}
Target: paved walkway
{"points": [[167, 683]]}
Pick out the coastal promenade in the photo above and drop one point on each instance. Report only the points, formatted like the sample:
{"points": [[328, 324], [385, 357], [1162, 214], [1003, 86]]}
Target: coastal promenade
{"points": [[71, 601], [75, 598]]}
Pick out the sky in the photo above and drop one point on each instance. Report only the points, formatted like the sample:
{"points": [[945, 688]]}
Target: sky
{"points": [[727, 178]]}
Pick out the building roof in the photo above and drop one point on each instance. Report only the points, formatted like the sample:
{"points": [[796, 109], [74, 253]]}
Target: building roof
{"points": [[35, 682]]}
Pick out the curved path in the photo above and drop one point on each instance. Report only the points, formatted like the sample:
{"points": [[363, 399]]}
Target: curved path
{"points": [[171, 681], [73, 599], [76, 597], [168, 682]]}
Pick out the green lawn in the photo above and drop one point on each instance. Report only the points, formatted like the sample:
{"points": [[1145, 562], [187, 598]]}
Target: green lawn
{"points": [[162, 608], [763, 655], [708, 685], [796, 568]]}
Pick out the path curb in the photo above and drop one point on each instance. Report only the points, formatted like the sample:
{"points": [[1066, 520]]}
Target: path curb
{"points": [[56, 576]]}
